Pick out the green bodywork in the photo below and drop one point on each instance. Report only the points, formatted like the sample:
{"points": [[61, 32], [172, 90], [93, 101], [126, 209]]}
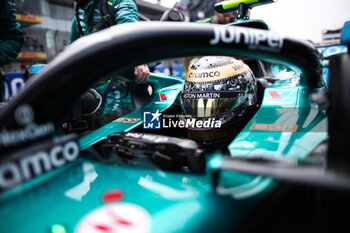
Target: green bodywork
{"points": [[293, 108], [287, 125], [175, 202], [172, 86]]}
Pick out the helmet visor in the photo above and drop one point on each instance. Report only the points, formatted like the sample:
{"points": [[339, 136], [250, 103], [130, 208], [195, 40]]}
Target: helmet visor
{"points": [[206, 104]]}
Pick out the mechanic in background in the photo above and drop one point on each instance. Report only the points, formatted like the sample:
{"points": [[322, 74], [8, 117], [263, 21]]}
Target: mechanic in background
{"points": [[218, 18], [11, 37], [89, 19]]}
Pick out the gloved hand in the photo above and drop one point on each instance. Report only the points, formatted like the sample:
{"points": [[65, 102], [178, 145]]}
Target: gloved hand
{"points": [[141, 73]]}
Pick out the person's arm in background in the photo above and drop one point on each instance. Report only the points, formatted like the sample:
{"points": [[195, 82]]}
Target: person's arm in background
{"points": [[73, 32], [125, 11], [186, 63], [11, 37]]}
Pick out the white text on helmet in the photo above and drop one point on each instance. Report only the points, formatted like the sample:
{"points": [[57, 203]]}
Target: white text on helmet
{"points": [[204, 74]]}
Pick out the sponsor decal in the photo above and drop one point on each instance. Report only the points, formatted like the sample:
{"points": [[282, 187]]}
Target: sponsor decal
{"points": [[149, 137], [204, 74], [274, 94], [280, 96], [151, 120], [254, 39], [163, 97], [34, 163], [127, 120], [24, 116], [116, 217], [215, 74], [14, 85], [211, 95], [275, 127]]}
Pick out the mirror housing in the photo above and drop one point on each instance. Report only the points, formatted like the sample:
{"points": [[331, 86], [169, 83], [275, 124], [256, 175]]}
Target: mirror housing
{"points": [[345, 34]]}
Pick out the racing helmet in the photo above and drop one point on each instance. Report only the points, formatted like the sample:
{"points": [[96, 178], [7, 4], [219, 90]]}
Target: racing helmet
{"points": [[220, 89]]}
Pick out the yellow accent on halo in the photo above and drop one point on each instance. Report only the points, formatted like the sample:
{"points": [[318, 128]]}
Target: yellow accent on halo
{"points": [[233, 4], [110, 3], [215, 74]]}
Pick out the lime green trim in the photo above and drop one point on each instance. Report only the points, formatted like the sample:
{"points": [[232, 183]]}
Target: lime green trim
{"points": [[110, 3], [233, 4], [107, 17], [207, 20]]}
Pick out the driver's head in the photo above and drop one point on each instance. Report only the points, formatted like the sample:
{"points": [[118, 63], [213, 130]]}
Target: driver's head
{"points": [[220, 88], [225, 18]]}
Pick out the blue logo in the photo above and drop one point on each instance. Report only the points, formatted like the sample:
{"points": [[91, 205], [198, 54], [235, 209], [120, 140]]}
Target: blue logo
{"points": [[163, 96], [151, 120]]}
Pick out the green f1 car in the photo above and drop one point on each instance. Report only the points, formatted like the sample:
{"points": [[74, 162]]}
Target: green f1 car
{"points": [[66, 167]]}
